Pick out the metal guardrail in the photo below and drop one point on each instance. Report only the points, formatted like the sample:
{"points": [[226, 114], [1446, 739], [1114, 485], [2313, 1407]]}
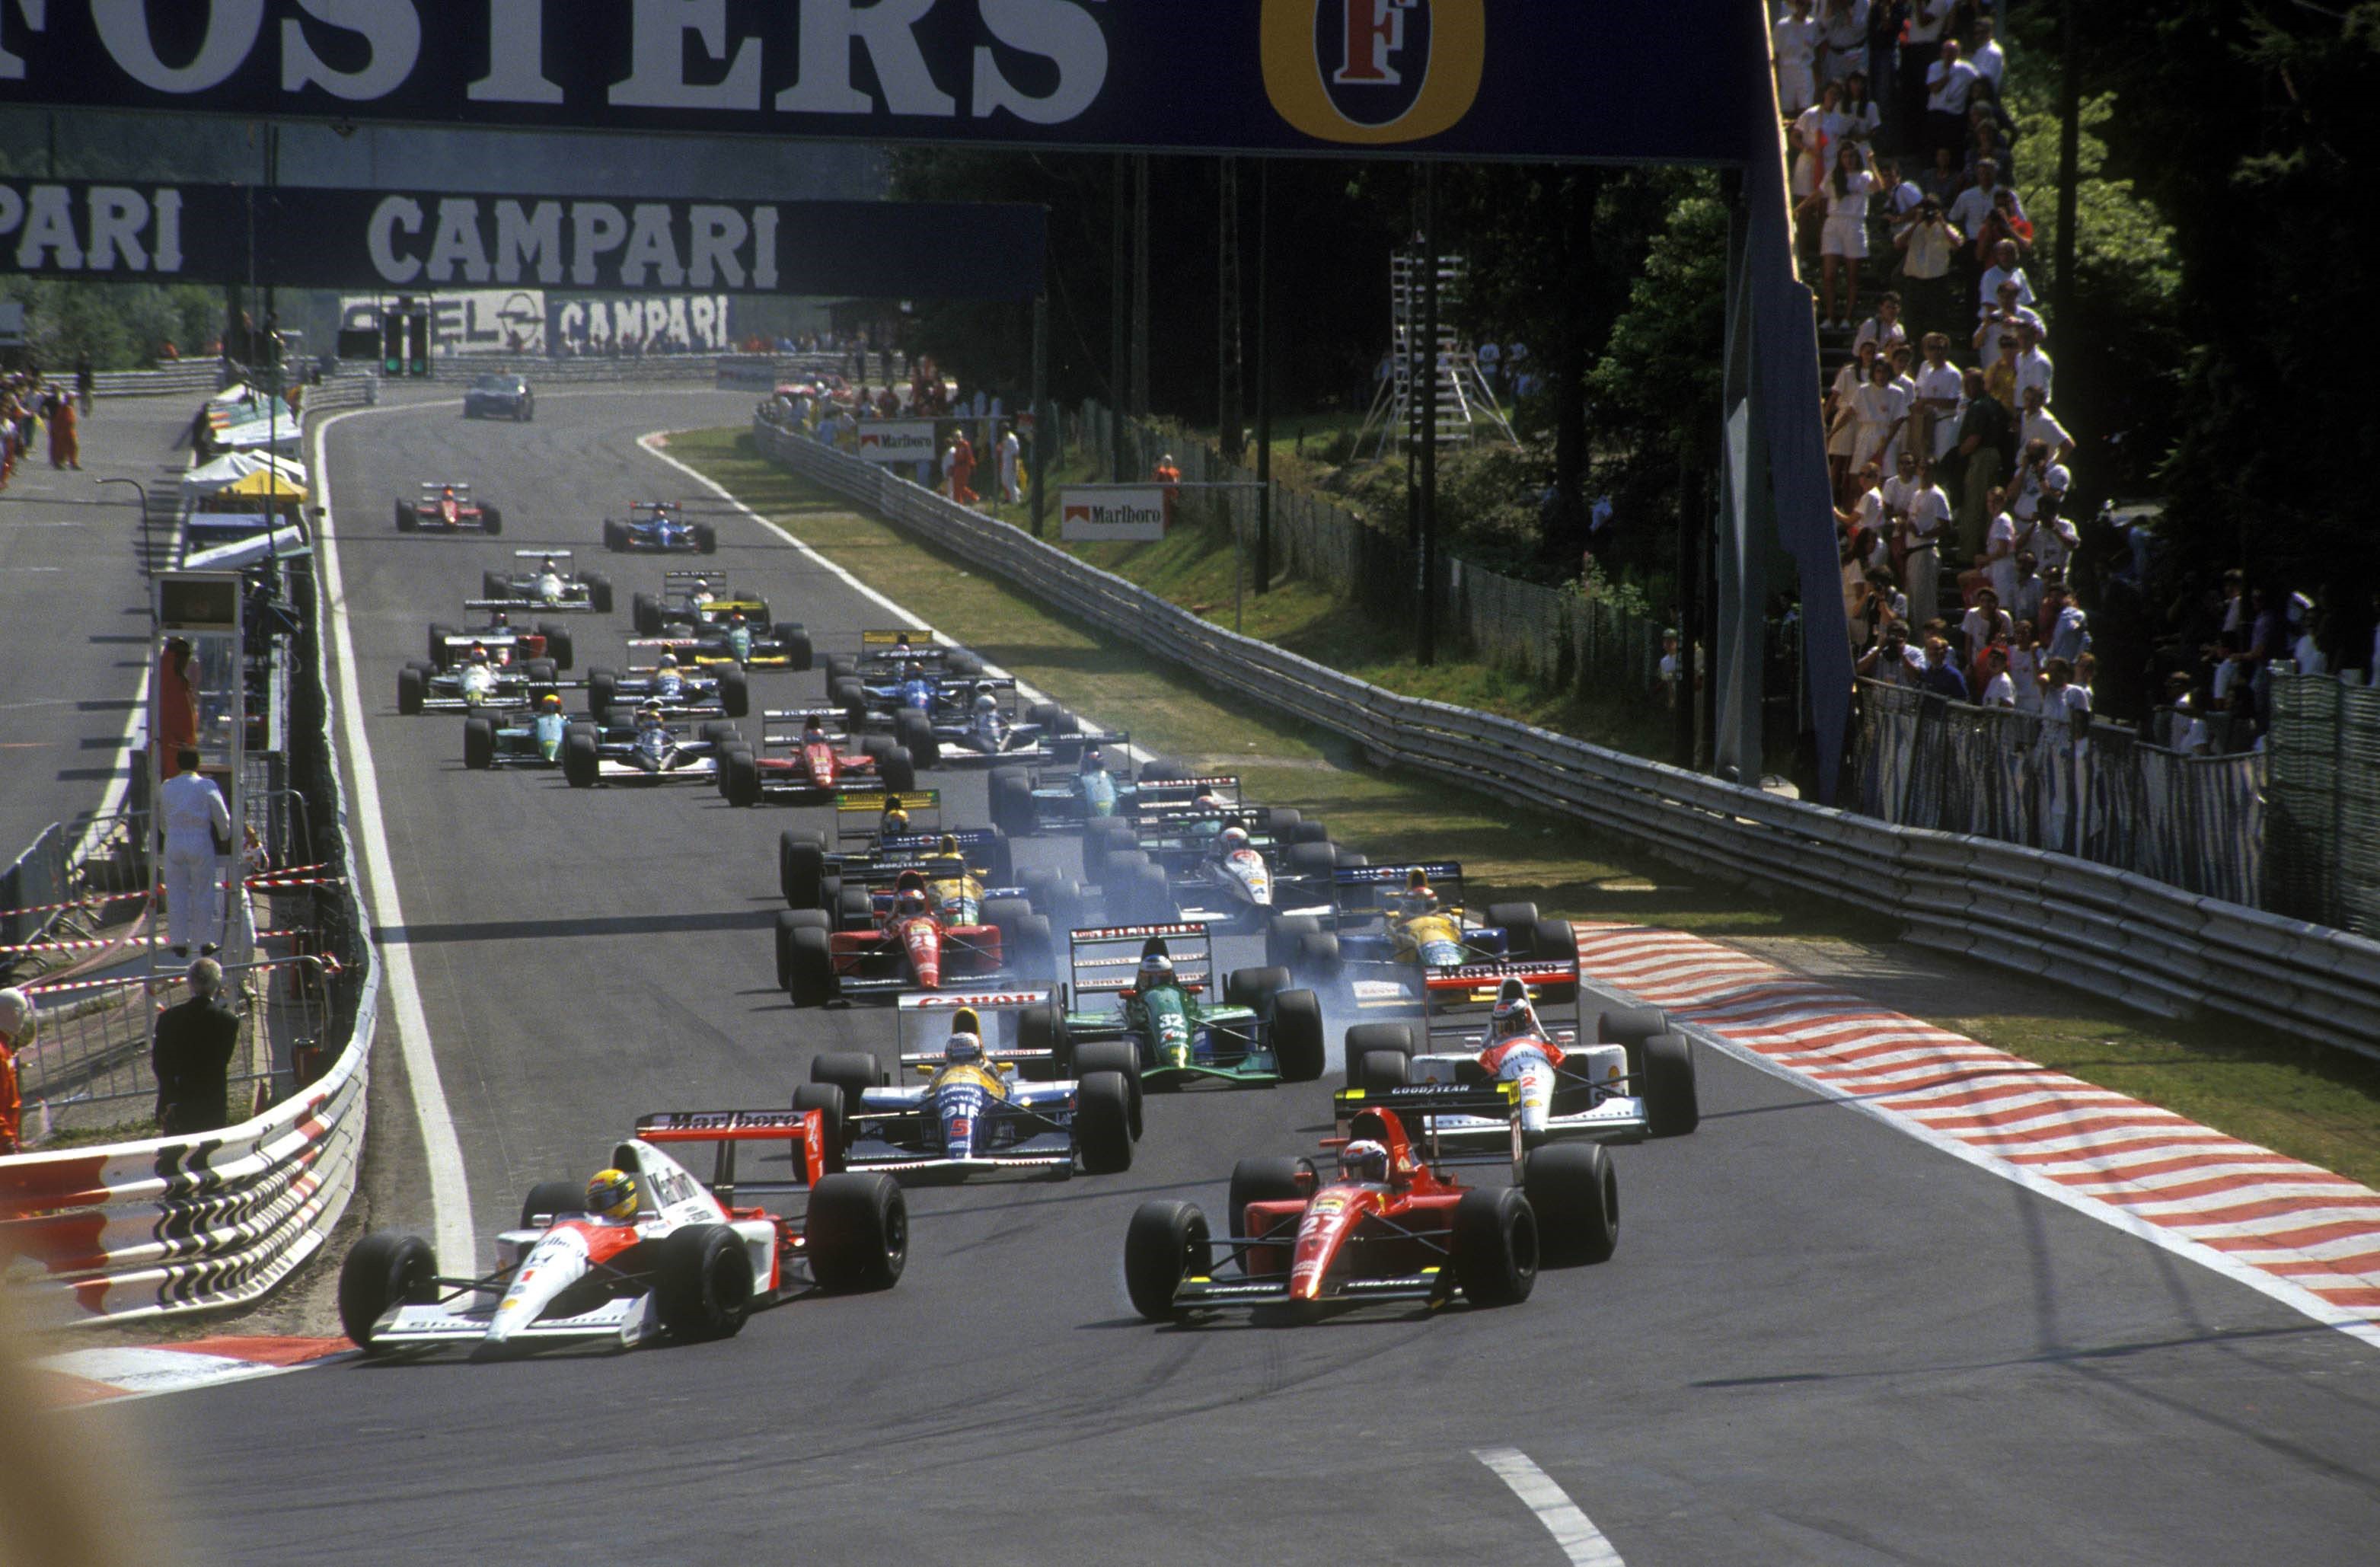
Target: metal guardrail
{"points": [[2156, 947], [177, 378]]}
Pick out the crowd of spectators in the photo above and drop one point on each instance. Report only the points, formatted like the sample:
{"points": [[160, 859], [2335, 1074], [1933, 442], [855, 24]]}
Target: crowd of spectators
{"points": [[32, 406], [1951, 465]]}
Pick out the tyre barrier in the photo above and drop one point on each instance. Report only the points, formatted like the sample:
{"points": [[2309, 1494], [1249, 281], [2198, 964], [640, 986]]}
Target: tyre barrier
{"points": [[2153, 947]]}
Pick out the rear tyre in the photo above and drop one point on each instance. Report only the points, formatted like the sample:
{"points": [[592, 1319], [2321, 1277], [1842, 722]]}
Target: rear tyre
{"points": [[381, 1272], [1011, 803], [1297, 1039], [1150, 897], [1266, 1179], [1310, 833], [1495, 1245], [964, 664], [1376, 1070], [1318, 957], [706, 538], [916, 731], [797, 643], [1254, 986], [1310, 859], [1281, 935], [541, 672], [801, 866], [581, 762], [491, 521], [1672, 1108], [645, 614], [551, 1200], [809, 968], [833, 1126], [1043, 1028], [1629, 1027], [412, 686], [703, 1284], [1365, 1036], [856, 1233], [1167, 1243], [602, 690], [1576, 1196], [616, 538], [599, 594], [1519, 918], [1118, 1056], [855, 908], [1163, 772], [493, 587], [735, 693], [740, 777], [439, 651], [1284, 823], [838, 670], [479, 744], [1103, 1124], [898, 772], [790, 922], [558, 646], [406, 521], [853, 1071]]}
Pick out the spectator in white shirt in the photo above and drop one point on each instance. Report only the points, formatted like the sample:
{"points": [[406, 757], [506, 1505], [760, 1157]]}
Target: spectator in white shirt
{"points": [[2034, 371], [1949, 81], [2000, 544], [1999, 689], [1814, 129], [1900, 196], [1929, 519], [1893, 661], [1938, 388], [1986, 56], [1796, 39], [2069, 628], [2065, 707], [1882, 409], [1843, 419], [1842, 244], [1883, 328], [2023, 598], [1860, 119], [1928, 242], [2006, 266], [2003, 315], [2040, 426], [2024, 666], [1920, 46], [1973, 204], [2187, 733], [1844, 23], [1904, 361], [1985, 623]]}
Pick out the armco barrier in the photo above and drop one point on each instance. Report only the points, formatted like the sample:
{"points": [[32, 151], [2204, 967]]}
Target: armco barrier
{"points": [[179, 379], [173, 1225], [2156, 947]]}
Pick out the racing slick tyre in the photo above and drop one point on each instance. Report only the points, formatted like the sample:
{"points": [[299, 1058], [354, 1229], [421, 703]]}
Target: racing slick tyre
{"points": [[406, 521], [876, 748], [838, 670], [1346, 859], [1555, 940], [855, 1072], [702, 1283], [1044, 716], [1121, 1057], [964, 664], [1104, 836], [706, 538], [1310, 859], [852, 698], [1254, 986], [809, 968], [1037, 947], [789, 921], [558, 647], [491, 521], [1004, 914], [479, 744], [1517, 918], [857, 1232], [1309, 832], [412, 686], [734, 692], [1375, 1070], [599, 594], [1043, 1028], [1362, 1036], [916, 731], [827, 1100], [1285, 821], [550, 1200], [1576, 1196], [1495, 1245], [494, 587], [1045, 889], [797, 643], [645, 614], [1011, 802], [384, 1270], [1318, 957], [855, 908], [1163, 772], [801, 866], [582, 764], [1672, 1109], [1148, 896], [438, 651], [1297, 1040], [616, 538], [602, 690], [998, 860], [541, 672], [1104, 1126], [720, 732], [1281, 937], [1630, 1027], [1266, 1179], [1166, 1243], [898, 770]]}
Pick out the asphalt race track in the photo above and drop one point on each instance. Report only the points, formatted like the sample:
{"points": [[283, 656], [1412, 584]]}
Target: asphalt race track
{"points": [[1820, 1342]]}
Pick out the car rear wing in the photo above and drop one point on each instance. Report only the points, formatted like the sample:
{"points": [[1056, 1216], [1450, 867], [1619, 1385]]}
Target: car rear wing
{"points": [[1167, 829], [875, 802], [806, 1129], [1105, 960], [999, 1009], [440, 486], [528, 606], [1416, 1107], [1183, 792], [919, 638], [1454, 999], [556, 556]]}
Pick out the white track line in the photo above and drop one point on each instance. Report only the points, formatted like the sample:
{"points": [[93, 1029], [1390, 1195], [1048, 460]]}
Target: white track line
{"points": [[653, 446], [1580, 1540], [450, 1193]]}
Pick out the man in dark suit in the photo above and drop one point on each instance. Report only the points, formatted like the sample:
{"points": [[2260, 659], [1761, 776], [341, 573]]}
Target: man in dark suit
{"points": [[192, 1053]]}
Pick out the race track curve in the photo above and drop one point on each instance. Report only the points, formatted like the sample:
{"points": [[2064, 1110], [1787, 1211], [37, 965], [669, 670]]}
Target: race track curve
{"points": [[1820, 1342]]}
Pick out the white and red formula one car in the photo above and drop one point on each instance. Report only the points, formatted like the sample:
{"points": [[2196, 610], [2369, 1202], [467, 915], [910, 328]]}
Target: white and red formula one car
{"points": [[684, 1260]]}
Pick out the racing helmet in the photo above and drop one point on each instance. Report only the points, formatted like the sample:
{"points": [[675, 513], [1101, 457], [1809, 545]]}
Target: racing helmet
{"points": [[896, 820], [546, 564], [1364, 1160], [668, 660], [965, 1047], [813, 725], [912, 672], [909, 902], [1419, 897], [1235, 838], [1156, 968], [500, 617], [735, 617], [985, 704], [1092, 761], [1514, 1016], [478, 653], [551, 702], [611, 1193], [650, 715]]}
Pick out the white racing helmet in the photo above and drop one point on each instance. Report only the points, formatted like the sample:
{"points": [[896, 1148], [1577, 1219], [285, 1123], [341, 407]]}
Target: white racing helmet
{"points": [[1364, 1160]]}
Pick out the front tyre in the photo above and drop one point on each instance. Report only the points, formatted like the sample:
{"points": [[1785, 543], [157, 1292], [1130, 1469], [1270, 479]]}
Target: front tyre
{"points": [[382, 1271], [1103, 1124], [1495, 1245], [1167, 1243], [703, 1287], [1575, 1193], [856, 1233]]}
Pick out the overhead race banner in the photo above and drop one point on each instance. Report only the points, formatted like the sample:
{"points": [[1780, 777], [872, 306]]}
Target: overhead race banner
{"points": [[1606, 79], [896, 441], [456, 242], [1108, 514]]}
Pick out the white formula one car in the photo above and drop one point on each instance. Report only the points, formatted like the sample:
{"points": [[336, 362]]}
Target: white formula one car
{"points": [[687, 1261]]}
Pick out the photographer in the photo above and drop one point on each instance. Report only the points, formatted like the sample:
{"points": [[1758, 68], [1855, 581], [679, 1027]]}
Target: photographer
{"points": [[1928, 242]]}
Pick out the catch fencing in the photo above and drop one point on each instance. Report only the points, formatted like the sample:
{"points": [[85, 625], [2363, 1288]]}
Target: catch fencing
{"points": [[1559, 637], [2099, 792], [2152, 945], [176, 1224], [2324, 746]]}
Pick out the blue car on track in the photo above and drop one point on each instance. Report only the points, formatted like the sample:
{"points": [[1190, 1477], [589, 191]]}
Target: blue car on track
{"points": [[659, 526]]}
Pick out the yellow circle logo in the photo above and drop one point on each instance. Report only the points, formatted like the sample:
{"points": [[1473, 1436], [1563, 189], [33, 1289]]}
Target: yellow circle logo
{"points": [[1374, 72]]}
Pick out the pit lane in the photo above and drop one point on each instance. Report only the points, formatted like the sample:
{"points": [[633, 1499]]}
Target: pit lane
{"points": [[1819, 1342]]}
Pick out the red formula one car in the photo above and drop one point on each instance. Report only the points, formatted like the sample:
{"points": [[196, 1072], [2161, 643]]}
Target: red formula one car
{"points": [[447, 507], [1393, 1226], [811, 766], [912, 928]]}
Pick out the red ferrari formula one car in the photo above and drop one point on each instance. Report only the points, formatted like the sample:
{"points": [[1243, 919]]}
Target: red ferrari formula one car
{"points": [[916, 927], [813, 765], [447, 507], [1393, 1225]]}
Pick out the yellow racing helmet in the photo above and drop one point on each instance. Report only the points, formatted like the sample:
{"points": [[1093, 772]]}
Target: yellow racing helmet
{"points": [[611, 1193]]}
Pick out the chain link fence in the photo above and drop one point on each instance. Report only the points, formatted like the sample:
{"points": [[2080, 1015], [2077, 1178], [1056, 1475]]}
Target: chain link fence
{"points": [[2323, 745]]}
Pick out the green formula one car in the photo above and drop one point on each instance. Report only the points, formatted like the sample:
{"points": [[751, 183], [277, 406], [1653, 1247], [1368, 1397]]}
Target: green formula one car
{"points": [[1259, 1034]]}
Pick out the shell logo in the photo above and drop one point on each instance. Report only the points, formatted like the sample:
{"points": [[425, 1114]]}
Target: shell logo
{"points": [[1374, 72]]}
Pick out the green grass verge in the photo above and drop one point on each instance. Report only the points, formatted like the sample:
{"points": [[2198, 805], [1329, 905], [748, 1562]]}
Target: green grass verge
{"points": [[2253, 1084]]}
